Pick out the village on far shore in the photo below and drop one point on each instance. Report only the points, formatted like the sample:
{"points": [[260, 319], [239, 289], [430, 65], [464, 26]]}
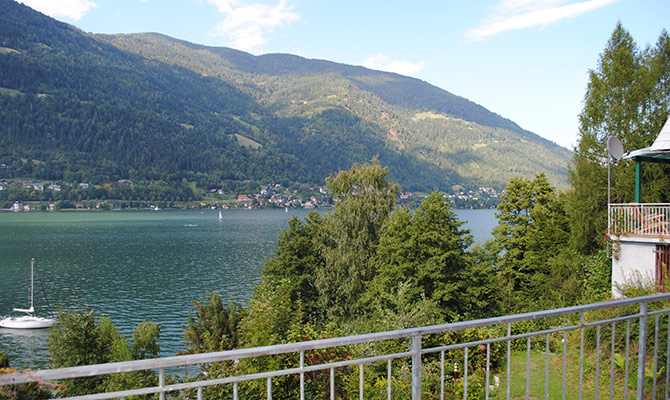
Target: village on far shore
{"points": [[50, 196]]}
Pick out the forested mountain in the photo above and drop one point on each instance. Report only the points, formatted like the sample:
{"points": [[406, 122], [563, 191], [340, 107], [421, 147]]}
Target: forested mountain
{"points": [[164, 113]]}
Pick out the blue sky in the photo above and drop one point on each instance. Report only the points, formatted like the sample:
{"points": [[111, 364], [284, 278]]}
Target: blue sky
{"points": [[525, 60]]}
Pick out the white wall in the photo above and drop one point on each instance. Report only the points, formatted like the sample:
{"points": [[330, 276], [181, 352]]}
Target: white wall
{"points": [[636, 263]]}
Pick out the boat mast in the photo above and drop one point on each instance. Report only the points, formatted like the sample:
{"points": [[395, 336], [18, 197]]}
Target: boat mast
{"points": [[44, 292], [32, 267]]}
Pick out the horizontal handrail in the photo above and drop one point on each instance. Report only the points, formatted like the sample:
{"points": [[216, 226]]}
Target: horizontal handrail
{"points": [[641, 204]]}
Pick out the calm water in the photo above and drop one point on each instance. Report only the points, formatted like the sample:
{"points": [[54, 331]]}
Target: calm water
{"points": [[136, 266]]}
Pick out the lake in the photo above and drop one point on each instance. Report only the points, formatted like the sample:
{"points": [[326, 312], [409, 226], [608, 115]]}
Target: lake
{"points": [[135, 266]]}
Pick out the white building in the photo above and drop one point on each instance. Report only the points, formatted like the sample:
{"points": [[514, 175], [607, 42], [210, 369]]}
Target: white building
{"points": [[640, 232], [16, 207]]}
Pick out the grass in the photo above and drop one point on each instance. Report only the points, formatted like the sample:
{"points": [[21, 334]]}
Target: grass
{"points": [[10, 92], [253, 128], [6, 50], [555, 381], [246, 142], [428, 115]]}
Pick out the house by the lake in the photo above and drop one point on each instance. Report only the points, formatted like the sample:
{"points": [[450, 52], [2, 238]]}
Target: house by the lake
{"points": [[640, 232]]}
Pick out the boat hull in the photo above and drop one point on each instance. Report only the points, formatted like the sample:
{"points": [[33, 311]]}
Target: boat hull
{"points": [[26, 322]]}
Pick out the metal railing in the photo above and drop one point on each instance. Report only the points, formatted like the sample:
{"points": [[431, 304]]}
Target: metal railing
{"points": [[597, 327], [639, 219]]}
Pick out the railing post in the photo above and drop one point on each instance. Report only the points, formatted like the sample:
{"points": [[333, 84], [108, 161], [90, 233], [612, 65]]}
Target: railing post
{"points": [[361, 382], [332, 384], [638, 185], [161, 382], [642, 352], [302, 375], [416, 367], [509, 355], [465, 373], [389, 376], [609, 218], [581, 356]]}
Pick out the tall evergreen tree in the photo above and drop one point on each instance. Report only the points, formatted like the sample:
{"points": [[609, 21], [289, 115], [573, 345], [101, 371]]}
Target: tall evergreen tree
{"points": [[213, 326], [532, 228], [297, 258], [626, 97], [425, 251]]}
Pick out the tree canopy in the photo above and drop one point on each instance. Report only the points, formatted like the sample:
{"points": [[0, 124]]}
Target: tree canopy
{"points": [[627, 97], [81, 338]]}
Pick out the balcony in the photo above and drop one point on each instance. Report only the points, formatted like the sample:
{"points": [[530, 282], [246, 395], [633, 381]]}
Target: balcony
{"points": [[639, 220]]}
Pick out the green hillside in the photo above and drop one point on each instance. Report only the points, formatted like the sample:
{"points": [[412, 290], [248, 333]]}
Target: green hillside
{"points": [[164, 113]]}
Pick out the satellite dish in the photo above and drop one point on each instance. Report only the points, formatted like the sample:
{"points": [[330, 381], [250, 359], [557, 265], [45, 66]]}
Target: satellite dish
{"points": [[615, 148]]}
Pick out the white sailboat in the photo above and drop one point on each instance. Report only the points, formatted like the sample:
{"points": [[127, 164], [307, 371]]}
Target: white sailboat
{"points": [[220, 216], [29, 321]]}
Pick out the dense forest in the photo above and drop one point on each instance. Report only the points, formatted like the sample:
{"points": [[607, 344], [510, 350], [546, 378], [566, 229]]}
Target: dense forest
{"points": [[179, 119]]}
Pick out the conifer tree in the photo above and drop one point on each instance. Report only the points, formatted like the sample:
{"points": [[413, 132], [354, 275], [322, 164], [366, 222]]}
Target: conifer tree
{"points": [[427, 252], [297, 258], [532, 228], [627, 97]]}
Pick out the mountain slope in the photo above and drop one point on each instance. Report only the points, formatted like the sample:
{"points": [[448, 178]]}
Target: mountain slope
{"points": [[480, 146], [97, 108], [392, 88]]}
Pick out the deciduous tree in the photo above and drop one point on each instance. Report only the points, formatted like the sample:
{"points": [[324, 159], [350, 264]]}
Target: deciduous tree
{"points": [[363, 198], [80, 338]]}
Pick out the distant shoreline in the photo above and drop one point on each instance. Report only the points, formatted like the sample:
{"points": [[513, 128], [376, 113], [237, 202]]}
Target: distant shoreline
{"points": [[7, 210]]}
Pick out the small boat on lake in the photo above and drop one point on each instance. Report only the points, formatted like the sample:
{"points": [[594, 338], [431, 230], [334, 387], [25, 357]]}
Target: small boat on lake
{"points": [[220, 216], [29, 321]]}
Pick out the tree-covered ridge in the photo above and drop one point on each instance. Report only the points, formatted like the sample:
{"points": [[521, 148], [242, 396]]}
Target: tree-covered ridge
{"points": [[88, 108], [124, 117], [298, 87], [394, 89]]}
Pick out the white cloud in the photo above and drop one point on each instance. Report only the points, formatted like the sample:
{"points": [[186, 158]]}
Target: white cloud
{"points": [[72, 9], [224, 6], [381, 62], [519, 14], [246, 26]]}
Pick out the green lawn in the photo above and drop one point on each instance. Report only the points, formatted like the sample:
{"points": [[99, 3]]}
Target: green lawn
{"points": [[5, 50], [537, 377], [10, 92], [246, 142]]}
